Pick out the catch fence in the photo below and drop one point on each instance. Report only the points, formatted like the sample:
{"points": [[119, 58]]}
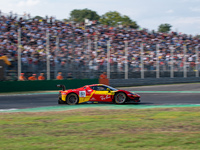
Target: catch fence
{"points": [[49, 46]]}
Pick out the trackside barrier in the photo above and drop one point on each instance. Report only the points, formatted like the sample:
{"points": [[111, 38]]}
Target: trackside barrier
{"points": [[46, 85], [151, 81]]}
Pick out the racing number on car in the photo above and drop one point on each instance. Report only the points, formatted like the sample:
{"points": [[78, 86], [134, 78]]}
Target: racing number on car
{"points": [[82, 94]]}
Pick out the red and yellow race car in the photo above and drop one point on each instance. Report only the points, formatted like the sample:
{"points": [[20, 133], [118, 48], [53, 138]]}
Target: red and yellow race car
{"points": [[95, 93]]}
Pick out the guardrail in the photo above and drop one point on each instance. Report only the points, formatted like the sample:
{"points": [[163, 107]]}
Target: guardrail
{"points": [[151, 81], [46, 85]]}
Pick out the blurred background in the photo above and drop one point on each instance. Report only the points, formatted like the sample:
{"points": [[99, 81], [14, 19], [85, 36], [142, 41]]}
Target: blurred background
{"points": [[86, 45]]}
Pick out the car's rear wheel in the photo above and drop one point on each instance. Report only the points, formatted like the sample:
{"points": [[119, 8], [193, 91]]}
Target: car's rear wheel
{"points": [[120, 98], [72, 99]]}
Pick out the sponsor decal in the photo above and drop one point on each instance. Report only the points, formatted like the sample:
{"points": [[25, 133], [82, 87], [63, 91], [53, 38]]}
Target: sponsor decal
{"points": [[82, 94], [104, 97], [64, 93], [93, 99]]}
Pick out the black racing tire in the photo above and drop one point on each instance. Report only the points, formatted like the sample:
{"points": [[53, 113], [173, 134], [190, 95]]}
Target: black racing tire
{"points": [[120, 98], [72, 99], [61, 102]]}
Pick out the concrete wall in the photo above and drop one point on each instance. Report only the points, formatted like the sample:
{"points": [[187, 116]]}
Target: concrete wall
{"points": [[17, 86], [46, 85]]}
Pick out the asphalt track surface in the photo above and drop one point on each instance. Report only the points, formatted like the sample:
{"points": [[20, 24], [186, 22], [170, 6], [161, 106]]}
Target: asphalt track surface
{"points": [[180, 94]]}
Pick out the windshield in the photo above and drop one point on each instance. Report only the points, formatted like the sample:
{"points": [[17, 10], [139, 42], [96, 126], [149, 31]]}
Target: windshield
{"points": [[111, 88]]}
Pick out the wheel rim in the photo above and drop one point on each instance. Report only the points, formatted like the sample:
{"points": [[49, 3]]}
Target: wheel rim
{"points": [[72, 99], [120, 98]]}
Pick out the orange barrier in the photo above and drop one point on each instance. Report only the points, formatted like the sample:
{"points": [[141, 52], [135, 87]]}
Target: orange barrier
{"points": [[104, 81]]}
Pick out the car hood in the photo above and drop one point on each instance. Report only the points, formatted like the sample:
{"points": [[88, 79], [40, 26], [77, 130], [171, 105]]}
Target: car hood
{"points": [[127, 92]]}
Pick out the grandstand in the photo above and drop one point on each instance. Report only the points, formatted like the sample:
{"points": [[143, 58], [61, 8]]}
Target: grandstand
{"points": [[83, 51]]}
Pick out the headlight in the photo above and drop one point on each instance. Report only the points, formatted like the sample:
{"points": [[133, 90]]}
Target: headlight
{"points": [[133, 93]]}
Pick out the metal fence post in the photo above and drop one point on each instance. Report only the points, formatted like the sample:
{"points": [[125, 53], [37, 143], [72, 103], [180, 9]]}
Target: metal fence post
{"points": [[197, 61], [108, 59], [56, 56], [184, 63], [172, 62], [19, 53], [157, 61], [47, 55], [126, 60], [142, 60]]}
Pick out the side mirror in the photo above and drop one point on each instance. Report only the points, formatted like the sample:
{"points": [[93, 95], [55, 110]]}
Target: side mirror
{"points": [[108, 90]]}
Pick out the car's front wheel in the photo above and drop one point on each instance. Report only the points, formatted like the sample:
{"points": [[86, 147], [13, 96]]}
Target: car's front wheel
{"points": [[72, 99], [120, 98]]}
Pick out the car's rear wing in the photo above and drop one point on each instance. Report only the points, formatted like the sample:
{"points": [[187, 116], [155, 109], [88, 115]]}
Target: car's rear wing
{"points": [[61, 86]]}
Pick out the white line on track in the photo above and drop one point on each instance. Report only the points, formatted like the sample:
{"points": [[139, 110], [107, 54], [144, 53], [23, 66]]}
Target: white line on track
{"points": [[8, 109]]}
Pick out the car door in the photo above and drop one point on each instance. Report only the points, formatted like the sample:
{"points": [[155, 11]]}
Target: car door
{"points": [[85, 94], [101, 94]]}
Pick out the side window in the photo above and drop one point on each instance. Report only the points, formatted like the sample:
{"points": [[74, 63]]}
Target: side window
{"points": [[101, 88], [94, 87]]}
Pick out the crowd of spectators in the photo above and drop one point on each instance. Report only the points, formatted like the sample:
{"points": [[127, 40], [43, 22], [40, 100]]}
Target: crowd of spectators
{"points": [[84, 48]]}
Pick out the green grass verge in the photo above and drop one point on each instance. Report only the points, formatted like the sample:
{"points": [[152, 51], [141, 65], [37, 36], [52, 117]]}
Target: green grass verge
{"points": [[99, 129]]}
